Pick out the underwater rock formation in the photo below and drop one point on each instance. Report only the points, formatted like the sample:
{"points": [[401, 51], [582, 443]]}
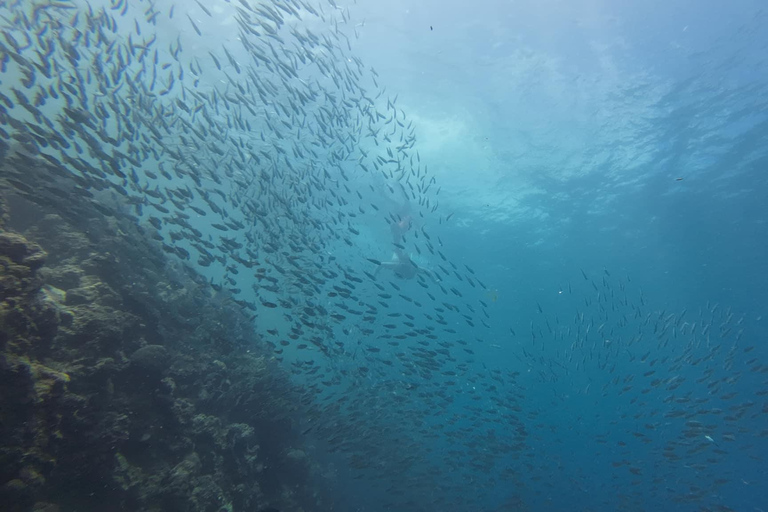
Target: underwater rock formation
{"points": [[125, 380]]}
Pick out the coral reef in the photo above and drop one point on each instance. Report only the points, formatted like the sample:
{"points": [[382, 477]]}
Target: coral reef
{"points": [[126, 383]]}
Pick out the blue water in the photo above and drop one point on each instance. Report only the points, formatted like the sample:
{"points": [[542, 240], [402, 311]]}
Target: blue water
{"points": [[593, 336], [620, 136]]}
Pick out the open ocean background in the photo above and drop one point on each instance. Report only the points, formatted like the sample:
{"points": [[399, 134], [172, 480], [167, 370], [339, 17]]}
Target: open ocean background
{"points": [[559, 131], [603, 175]]}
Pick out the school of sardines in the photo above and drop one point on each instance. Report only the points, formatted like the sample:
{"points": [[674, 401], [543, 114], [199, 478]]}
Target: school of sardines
{"points": [[261, 160]]}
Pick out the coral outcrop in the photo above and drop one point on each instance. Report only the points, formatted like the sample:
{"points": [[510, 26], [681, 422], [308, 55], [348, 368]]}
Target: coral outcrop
{"points": [[127, 383]]}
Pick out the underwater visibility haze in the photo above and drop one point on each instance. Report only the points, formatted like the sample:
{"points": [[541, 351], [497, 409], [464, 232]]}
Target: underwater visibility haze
{"points": [[315, 255]]}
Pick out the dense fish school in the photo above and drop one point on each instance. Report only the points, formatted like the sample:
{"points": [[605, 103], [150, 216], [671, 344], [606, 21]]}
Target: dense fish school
{"points": [[266, 163]]}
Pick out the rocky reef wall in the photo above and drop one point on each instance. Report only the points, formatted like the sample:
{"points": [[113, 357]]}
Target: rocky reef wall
{"points": [[126, 381]]}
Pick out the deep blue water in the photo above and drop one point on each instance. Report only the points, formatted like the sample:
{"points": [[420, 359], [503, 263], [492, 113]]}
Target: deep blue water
{"points": [[564, 128]]}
